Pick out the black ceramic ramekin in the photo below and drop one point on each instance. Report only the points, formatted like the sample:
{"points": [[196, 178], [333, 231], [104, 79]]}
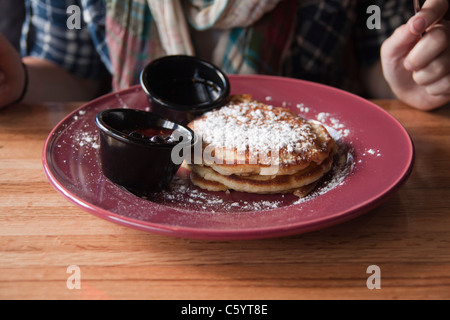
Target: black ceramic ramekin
{"points": [[181, 87], [134, 162]]}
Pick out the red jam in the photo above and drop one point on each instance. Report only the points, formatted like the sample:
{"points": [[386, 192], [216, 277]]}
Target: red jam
{"points": [[153, 135]]}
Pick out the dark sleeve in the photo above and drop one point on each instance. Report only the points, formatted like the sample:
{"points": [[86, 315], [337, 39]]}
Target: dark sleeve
{"points": [[12, 15], [393, 13]]}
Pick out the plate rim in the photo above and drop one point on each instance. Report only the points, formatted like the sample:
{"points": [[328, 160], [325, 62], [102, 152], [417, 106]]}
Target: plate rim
{"points": [[230, 233]]}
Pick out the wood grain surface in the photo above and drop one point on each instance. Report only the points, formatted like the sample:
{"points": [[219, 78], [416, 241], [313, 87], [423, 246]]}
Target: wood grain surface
{"points": [[42, 234]]}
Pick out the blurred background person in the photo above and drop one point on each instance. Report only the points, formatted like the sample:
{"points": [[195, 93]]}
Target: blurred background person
{"points": [[12, 16], [325, 41]]}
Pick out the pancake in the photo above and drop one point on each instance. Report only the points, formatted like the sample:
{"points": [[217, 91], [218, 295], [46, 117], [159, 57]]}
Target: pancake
{"points": [[249, 137], [249, 146], [265, 184], [217, 186]]}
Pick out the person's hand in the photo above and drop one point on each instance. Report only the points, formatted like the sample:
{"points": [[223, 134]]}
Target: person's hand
{"points": [[416, 67], [12, 75]]}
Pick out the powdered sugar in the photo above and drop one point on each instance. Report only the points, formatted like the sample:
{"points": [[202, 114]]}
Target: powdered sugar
{"points": [[86, 139], [369, 152], [244, 126], [335, 123], [183, 195], [301, 107], [343, 166], [372, 152]]}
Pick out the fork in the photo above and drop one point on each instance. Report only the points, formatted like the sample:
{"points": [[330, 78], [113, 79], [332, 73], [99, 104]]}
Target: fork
{"points": [[416, 6], [417, 9]]}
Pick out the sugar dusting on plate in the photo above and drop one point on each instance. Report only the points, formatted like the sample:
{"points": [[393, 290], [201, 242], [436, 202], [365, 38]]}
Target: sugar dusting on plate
{"points": [[183, 195]]}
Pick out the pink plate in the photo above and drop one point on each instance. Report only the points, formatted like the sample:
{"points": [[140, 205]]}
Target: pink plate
{"points": [[375, 157]]}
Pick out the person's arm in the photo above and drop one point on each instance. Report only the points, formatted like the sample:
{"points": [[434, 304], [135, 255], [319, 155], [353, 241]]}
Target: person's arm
{"points": [[46, 80], [417, 68], [62, 63], [50, 82]]}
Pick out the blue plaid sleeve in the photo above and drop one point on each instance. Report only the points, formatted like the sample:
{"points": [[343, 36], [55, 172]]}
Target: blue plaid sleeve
{"points": [[47, 36], [94, 14]]}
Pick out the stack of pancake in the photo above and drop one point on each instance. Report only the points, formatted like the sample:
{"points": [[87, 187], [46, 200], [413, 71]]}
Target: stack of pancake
{"points": [[249, 146]]}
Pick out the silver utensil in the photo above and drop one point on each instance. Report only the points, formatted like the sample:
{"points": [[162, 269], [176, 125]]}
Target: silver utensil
{"points": [[416, 6]]}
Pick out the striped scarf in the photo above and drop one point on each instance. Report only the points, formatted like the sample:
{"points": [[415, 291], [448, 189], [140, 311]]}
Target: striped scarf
{"points": [[253, 34]]}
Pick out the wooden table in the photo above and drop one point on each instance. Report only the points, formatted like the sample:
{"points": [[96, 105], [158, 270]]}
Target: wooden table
{"points": [[42, 234]]}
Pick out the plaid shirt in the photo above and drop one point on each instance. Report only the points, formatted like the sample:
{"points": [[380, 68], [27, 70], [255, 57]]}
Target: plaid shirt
{"points": [[45, 34], [331, 39]]}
